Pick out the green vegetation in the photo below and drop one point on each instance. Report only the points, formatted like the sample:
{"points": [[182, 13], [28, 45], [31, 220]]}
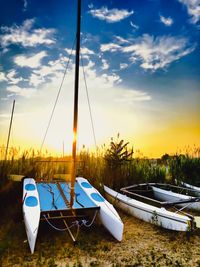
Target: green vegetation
{"points": [[114, 165]]}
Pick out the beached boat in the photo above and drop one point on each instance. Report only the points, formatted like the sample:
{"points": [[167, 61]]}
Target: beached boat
{"points": [[75, 203], [193, 187], [138, 201], [179, 195]]}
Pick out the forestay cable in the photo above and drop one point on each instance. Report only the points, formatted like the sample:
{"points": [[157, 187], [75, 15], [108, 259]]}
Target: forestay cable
{"points": [[58, 94], [88, 100]]}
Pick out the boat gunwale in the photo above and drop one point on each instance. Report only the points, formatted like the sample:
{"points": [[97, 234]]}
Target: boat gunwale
{"points": [[161, 203], [159, 184]]}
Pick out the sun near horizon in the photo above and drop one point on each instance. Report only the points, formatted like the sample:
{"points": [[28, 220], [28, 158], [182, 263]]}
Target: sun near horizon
{"points": [[153, 143]]}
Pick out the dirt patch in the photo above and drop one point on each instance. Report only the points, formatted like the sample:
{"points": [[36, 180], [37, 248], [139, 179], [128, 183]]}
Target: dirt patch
{"points": [[143, 245]]}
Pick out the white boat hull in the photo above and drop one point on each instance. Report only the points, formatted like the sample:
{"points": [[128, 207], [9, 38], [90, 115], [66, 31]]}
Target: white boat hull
{"points": [[149, 213], [107, 214], [166, 195], [196, 188], [31, 211]]}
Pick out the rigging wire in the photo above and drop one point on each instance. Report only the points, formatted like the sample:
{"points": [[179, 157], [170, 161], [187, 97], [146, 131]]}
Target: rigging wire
{"points": [[58, 94], [88, 100], [75, 223]]}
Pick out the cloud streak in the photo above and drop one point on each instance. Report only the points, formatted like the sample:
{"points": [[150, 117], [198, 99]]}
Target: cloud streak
{"points": [[12, 77], [30, 61], [25, 35], [153, 53], [24, 92], [193, 9], [134, 26], [105, 64], [110, 15], [130, 96], [25, 5], [166, 21], [2, 77]]}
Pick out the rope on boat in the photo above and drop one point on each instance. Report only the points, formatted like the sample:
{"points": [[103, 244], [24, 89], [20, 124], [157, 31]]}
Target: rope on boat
{"points": [[53, 196], [75, 223], [183, 212], [50, 190], [184, 207], [89, 225]]}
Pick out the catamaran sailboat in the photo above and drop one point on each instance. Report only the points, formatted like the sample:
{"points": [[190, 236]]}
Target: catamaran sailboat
{"points": [[68, 202]]}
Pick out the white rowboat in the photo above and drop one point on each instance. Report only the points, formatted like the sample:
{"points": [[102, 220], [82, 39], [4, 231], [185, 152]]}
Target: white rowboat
{"points": [[169, 195], [150, 213], [195, 188]]}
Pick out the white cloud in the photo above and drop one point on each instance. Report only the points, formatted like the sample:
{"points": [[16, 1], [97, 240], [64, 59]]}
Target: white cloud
{"points": [[25, 5], [130, 96], [105, 64], [110, 15], [153, 52], [70, 51], [193, 8], [30, 61], [86, 51], [51, 72], [36, 79], [106, 85], [166, 21], [91, 5], [2, 77], [134, 26], [12, 77], [25, 35], [111, 79], [121, 40], [105, 97], [123, 66], [110, 47], [24, 92]]}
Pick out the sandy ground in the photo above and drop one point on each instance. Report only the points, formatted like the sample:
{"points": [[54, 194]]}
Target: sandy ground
{"points": [[143, 245]]}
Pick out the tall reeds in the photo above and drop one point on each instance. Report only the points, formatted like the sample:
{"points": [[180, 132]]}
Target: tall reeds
{"points": [[114, 165]]}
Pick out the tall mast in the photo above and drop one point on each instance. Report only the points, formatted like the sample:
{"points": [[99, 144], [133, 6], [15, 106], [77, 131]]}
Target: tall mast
{"points": [[76, 87], [8, 140]]}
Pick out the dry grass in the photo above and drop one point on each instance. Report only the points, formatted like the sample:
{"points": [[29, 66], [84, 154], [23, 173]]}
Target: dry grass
{"points": [[143, 244]]}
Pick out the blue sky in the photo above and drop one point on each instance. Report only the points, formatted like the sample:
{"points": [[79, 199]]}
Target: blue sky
{"points": [[142, 65]]}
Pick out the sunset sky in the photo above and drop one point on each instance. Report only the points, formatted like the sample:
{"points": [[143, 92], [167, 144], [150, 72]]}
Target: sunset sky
{"points": [[142, 65]]}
